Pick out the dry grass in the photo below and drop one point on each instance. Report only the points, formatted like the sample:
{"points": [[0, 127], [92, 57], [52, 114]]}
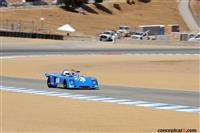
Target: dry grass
{"points": [[156, 12]]}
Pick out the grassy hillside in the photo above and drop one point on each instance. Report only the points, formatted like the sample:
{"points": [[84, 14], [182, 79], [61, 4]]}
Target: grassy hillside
{"points": [[156, 12]]}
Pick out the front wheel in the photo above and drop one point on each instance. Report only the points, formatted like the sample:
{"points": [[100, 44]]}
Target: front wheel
{"points": [[49, 83]]}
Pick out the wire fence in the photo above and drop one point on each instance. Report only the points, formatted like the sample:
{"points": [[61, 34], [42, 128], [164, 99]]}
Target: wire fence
{"points": [[24, 26]]}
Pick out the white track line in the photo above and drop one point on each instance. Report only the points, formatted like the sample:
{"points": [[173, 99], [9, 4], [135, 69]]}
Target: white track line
{"points": [[31, 56]]}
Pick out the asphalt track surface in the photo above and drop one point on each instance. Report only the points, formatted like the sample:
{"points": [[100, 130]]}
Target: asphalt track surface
{"points": [[185, 98], [80, 51], [186, 13]]}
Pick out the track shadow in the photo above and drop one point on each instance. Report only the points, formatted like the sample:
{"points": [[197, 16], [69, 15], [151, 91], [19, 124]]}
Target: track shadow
{"points": [[103, 8], [70, 9], [88, 9], [130, 2], [145, 1], [117, 6], [36, 3], [77, 89]]}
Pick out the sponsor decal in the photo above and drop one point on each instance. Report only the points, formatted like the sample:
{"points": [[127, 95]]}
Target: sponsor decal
{"points": [[57, 80]]}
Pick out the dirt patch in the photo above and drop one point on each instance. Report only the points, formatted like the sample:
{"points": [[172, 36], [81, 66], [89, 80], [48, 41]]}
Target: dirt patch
{"points": [[34, 113], [91, 24], [176, 72]]}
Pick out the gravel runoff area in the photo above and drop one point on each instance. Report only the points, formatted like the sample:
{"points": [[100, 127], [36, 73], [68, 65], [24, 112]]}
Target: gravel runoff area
{"points": [[35, 113]]}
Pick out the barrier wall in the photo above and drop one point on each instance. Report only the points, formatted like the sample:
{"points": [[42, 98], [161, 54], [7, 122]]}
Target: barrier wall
{"points": [[31, 35]]}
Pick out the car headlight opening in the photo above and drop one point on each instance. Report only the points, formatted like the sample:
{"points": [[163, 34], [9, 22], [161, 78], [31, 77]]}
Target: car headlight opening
{"points": [[94, 82]]}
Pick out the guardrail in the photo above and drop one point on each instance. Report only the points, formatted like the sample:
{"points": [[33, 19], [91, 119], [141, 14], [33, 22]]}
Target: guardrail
{"points": [[31, 35]]}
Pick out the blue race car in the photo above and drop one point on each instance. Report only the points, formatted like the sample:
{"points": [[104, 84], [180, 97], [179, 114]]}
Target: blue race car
{"points": [[71, 79]]}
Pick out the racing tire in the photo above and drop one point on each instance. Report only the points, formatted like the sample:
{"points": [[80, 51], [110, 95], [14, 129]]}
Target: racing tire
{"points": [[49, 83], [65, 84], [110, 39]]}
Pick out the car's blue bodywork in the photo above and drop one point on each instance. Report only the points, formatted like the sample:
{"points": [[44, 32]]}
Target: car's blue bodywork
{"points": [[73, 80]]}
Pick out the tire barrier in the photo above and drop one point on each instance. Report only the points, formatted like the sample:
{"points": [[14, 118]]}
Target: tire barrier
{"points": [[31, 35]]}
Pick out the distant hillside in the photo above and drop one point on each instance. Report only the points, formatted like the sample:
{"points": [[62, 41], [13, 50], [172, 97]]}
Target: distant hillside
{"points": [[99, 17]]}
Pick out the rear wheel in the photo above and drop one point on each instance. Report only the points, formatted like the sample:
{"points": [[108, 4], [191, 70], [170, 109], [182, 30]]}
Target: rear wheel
{"points": [[65, 84]]}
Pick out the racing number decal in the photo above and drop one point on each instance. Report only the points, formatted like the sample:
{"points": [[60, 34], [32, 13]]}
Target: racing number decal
{"points": [[57, 80]]}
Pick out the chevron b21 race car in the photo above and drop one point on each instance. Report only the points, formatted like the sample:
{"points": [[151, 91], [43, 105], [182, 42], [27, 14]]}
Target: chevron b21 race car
{"points": [[71, 79]]}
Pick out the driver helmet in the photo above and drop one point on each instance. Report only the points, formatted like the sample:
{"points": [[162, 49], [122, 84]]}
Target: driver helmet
{"points": [[66, 72]]}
